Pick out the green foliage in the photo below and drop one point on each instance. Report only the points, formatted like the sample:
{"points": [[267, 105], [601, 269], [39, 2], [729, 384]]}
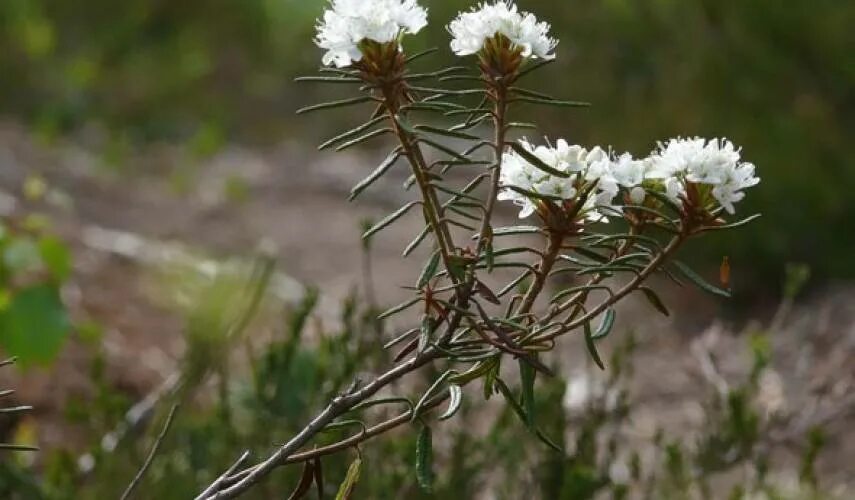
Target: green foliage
{"points": [[33, 320], [288, 378], [34, 325]]}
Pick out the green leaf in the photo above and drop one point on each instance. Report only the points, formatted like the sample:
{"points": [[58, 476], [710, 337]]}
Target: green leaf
{"points": [[425, 332], [527, 377], [733, 225], [547, 441], [389, 219], [429, 270], [592, 347], [535, 161], [334, 104], [513, 230], [523, 125], [455, 395], [318, 476], [535, 66], [424, 459], [352, 132], [430, 392], [327, 79], [374, 176], [553, 102], [480, 369], [416, 241], [700, 282], [56, 257], [345, 491], [363, 138], [606, 326], [398, 308], [421, 54], [655, 301], [510, 399], [442, 148], [448, 133], [34, 325]]}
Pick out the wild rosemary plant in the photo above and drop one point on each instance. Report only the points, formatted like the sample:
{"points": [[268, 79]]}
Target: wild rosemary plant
{"points": [[468, 330]]}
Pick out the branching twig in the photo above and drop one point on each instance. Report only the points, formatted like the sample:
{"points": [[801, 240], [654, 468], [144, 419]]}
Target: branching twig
{"points": [[150, 459]]}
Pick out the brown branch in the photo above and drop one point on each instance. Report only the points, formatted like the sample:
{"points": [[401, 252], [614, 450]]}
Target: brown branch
{"points": [[620, 294]]}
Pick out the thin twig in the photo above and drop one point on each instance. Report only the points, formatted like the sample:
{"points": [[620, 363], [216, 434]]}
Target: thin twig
{"points": [[150, 459], [224, 476]]}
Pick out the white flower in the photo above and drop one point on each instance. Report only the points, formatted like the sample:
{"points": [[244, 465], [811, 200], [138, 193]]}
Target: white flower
{"points": [[716, 162], [347, 23], [586, 169], [736, 178], [627, 171], [470, 30]]}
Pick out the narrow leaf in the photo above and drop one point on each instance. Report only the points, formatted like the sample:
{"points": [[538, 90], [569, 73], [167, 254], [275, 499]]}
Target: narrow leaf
{"points": [[425, 332], [363, 138], [398, 308], [592, 347], [430, 392], [553, 102], [655, 301], [606, 326], [429, 270], [510, 399], [447, 133], [700, 282], [374, 176], [484, 291], [416, 241], [535, 161], [505, 231], [319, 477], [334, 104], [327, 79], [424, 459], [421, 54], [527, 377], [547, 441], [535, 66], [390, 219], [345, 491], [475, 372], [733, 224], [455, 395], [305, 483], [444, 149]]}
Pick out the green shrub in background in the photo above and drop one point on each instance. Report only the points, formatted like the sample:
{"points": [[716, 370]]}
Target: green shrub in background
{"points": [[274, 387], [33, 266], [776, 78]]}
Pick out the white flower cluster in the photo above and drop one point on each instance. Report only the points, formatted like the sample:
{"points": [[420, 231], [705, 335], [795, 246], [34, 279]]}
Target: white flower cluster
{"points": [[715, 162], [586, 169], [669, 168], [347, 23], [472, 29]]}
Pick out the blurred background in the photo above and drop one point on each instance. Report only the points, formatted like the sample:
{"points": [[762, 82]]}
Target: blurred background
{"points": [[149, 149]]}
